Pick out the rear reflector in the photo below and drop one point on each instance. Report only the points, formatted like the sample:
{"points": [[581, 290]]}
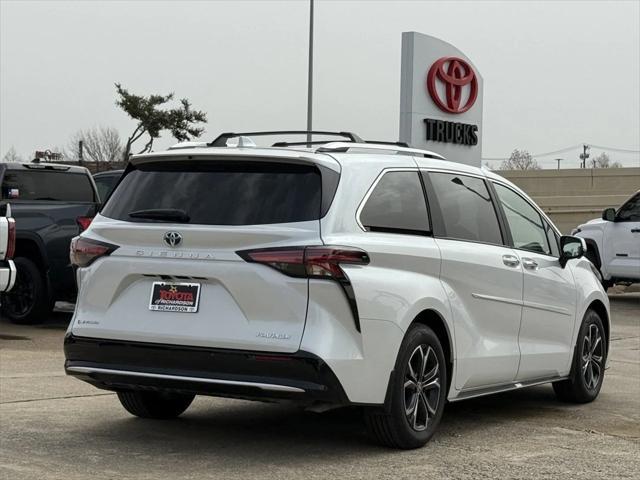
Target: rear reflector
{"points": [[84, 251], [11, 244]]}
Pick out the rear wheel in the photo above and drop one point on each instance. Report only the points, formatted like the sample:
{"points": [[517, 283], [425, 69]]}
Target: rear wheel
{"points": [[589, 359], [154, 404], [28, 301], [417, 393]]}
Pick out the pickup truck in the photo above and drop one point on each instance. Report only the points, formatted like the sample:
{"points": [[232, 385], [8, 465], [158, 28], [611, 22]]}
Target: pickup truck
{"points": [[51, 204], [613, 242], [7, 248]]}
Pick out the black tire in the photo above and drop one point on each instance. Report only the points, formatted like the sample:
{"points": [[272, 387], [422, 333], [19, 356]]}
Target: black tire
{"points": [[589, 358], [28, 302], [154, 404], [398, 424]]}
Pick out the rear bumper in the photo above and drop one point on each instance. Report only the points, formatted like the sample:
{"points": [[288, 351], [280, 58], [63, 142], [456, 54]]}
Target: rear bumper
{"points": [[7, 275], [119, 365]]}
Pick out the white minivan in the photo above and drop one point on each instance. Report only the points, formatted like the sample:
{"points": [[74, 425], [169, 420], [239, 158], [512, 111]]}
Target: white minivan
{"points": [[329, 274]]}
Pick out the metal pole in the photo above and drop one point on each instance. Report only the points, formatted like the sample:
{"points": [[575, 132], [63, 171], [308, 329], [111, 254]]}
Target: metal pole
{"points": [[559, 160], [310, 77]]}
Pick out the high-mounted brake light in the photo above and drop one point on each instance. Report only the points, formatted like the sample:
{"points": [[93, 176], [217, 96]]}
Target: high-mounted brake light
{"points": [[84, 251], [83, 223], [11, 243], [313, 262]]}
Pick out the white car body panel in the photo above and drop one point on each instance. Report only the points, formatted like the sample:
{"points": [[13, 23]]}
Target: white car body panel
{"points": [[7, 267], [505, 324], [617, 244], [242, 303]]}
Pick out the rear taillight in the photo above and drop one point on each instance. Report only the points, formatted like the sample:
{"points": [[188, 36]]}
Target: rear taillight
{"points": [[83, 223], [84, 251], [11, 243], [313, 262]]}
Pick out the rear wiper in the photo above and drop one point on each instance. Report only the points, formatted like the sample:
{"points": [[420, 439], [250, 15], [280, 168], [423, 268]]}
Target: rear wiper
{"points": [[162, 214]]}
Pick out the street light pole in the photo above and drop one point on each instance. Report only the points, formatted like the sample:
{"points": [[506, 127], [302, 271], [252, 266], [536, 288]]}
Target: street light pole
{"points": [[310, 76], [559, 160]]}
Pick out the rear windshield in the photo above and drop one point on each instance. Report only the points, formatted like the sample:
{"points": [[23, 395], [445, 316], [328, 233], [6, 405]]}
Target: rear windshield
{"points": [[217, 193], [47, 185]]}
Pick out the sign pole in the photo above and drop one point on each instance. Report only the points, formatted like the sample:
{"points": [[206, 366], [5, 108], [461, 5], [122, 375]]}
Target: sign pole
{"points": [[310, 76]]}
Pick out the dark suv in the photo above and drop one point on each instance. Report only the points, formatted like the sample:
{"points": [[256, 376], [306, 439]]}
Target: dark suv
{"points": [[51, 204]]}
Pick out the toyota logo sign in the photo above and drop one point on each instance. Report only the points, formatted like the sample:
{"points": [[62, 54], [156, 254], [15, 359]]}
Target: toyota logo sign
{"points": [[455, 74], [173, 239]]}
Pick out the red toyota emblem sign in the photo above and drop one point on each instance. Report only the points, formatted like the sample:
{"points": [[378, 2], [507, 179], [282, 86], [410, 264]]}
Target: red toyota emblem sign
{"points": [[455, 74]]}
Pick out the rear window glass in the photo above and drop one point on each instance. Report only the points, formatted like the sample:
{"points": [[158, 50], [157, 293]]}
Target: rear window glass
{"points": [[47, 185], [218, 193]]}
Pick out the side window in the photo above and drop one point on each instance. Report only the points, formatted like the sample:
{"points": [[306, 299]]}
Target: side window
{"points": [[466, 207], [527, 229], [396, 204], [630, 211], [554, 241]]}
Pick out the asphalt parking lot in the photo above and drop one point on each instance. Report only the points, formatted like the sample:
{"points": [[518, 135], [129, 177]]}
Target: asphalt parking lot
{"points": [[53, 426]]}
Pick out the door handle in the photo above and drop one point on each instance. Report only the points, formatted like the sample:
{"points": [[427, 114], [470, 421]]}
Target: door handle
{"points": [[529, 264], [510, 260], [635, 230]]}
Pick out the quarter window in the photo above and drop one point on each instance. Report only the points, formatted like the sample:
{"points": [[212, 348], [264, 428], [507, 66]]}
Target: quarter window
{"points": [[466, 207], [397, 205], [527, 229]]}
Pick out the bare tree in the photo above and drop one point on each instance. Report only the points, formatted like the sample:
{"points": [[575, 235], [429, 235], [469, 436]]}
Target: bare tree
{"points": [[99, 144], [603, 161], [12, 156], [520, 160]]}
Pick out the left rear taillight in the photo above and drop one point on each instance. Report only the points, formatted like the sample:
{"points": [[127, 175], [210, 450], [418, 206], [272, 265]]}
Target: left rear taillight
{"points": [[11, 241], [84, 251]]}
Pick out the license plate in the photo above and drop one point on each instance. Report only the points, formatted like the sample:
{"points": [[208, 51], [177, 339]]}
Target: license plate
{"points": [[175, 297]]}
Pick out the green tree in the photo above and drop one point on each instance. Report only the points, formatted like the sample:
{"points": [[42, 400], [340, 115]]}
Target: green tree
{"points": [[152, 119], [520, 160]]}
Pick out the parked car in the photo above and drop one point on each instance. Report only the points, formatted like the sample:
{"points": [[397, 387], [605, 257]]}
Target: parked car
{"points": [[105, 182], [613, 242], [347, 273], [51, 204], [7, 249]]}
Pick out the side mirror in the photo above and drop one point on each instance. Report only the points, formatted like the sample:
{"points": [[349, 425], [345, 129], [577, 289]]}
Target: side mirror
{"points": [[571, 247], [609, 214]]}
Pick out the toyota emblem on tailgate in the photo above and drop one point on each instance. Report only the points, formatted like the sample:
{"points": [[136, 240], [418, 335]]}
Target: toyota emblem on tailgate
{"points": [[173, 239]]}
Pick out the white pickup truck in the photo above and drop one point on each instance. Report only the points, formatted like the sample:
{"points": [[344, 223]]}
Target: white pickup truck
{"points": [[613, 242], [7, 249]]}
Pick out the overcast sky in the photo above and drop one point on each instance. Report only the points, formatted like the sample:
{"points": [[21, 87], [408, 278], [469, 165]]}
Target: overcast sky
{"points": [[556, 74]]}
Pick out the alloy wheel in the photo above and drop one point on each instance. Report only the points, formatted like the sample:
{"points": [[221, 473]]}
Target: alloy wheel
{"points": [[421, 387], [592, 357], [21, 298]]}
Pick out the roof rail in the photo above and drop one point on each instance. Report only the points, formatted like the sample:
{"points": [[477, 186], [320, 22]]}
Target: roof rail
{"points": [[346, 146], [221, 140]]}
